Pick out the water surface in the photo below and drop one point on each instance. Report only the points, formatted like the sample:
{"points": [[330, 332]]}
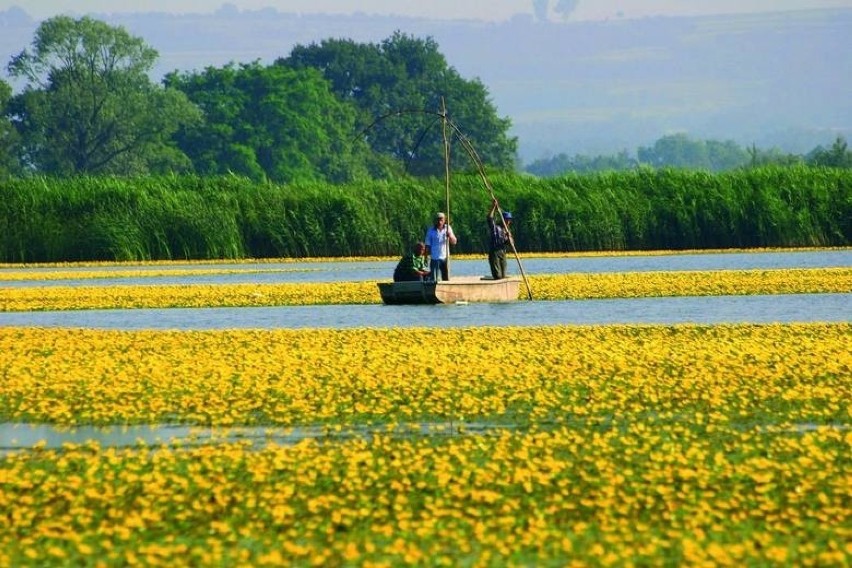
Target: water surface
{"points": [[670, 310], [383, 270]]}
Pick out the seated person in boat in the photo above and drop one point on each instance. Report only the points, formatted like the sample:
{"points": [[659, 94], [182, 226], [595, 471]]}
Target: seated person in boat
{"points": [[413, 266], [499, 239]]}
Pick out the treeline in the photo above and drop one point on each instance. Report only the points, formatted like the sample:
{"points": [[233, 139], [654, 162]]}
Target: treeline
{"points": [[191, 217], [681, 151], [336, 111]]}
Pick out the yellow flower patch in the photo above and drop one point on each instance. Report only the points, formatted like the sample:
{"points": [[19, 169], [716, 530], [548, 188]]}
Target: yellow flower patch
{"points": [[742, 373], [588, 496], [620, 445], [544, 287]]}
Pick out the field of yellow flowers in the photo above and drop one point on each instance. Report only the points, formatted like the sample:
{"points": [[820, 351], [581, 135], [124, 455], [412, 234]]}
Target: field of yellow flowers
{"points": [[617, 445], [545, 287]]}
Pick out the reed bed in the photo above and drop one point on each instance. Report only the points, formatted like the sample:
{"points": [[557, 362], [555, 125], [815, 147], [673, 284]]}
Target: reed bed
{"points": [[103, 218], [545, 287], [631, 445]]}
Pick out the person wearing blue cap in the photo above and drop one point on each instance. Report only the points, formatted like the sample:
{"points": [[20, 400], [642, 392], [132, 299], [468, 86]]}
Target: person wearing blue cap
{"points": [[499, 238]]}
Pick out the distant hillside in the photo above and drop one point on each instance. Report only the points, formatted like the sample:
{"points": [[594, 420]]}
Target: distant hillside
{"points": [[774, 80]]}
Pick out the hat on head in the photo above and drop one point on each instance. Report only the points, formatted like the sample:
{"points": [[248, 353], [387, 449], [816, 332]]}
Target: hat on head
{"points": [[507, 215], [439, 215]]}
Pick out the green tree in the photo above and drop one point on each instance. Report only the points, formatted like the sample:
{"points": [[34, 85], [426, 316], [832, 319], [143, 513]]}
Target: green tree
{"points": [[563, 163], [269, 122], [838, 156], [398, 86], [724, 156], [680, 151], [9, 139], [89, 106], [774, 156], [676, 151]]}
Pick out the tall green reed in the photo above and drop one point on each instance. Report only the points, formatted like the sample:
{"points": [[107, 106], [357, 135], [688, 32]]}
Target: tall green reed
{"points": [[190, 217]]}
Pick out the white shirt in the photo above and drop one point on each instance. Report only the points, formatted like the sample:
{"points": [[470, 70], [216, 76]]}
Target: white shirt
{"points": [[438, 242]]}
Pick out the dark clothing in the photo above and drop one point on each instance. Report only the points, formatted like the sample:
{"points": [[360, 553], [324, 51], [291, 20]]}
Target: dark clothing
{"points": [[497, 263], [497, 242], [439, 266], [498, 238], [408, 268]]}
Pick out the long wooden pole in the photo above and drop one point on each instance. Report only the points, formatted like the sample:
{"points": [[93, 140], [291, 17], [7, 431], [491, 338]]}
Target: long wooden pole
{"points": [[471, 152], [446, 174], [481, 169]]}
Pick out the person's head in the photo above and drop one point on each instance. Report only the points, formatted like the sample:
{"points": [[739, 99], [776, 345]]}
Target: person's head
{"points": [[440, 219], [507, 216], [419, 248]]}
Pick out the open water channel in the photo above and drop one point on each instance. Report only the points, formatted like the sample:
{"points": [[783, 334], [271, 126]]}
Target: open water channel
{"points": [[709, 310], [706, 310]]}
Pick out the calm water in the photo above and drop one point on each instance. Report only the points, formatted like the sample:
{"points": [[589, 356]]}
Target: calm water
{"points": [[726, 309], [382, 270], [707, 310], [16, 436]]}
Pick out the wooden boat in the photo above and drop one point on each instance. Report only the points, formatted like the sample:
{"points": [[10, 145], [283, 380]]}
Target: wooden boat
{"points": [[466, 288], [456, 290]]}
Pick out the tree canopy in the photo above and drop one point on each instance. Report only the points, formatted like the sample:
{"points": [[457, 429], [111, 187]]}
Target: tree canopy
{"points": [[332, 111], [88, 105], [837, 156], [398, 86], [9, 139], [680, 151], [269, 122]]}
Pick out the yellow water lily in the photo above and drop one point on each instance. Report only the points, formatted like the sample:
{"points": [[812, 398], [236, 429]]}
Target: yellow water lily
{"points": [[544, 287], [623, 445]]}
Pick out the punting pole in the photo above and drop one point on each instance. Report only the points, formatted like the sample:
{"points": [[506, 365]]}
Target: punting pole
{"points": [[481, 169], [446, 175]]}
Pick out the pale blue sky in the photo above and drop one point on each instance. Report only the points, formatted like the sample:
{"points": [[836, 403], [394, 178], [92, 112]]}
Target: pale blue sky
{"points": [[476, 9]]}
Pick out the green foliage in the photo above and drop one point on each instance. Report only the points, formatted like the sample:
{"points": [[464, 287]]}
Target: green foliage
{"points": [[679, 151], [109, 218], [772, 157], [269, 122], [562, 163], [9, 139], [838, 156], [89, 106], [398, 86]]}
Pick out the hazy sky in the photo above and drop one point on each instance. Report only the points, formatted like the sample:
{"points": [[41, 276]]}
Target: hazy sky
{"points": [[451, 9]]}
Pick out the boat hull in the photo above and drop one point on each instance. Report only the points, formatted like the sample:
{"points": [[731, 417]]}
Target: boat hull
{"points": [[463, 289]]}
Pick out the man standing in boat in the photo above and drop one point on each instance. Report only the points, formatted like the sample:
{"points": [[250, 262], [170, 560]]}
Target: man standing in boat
{"points": [[438, 240], [499, 239]]}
